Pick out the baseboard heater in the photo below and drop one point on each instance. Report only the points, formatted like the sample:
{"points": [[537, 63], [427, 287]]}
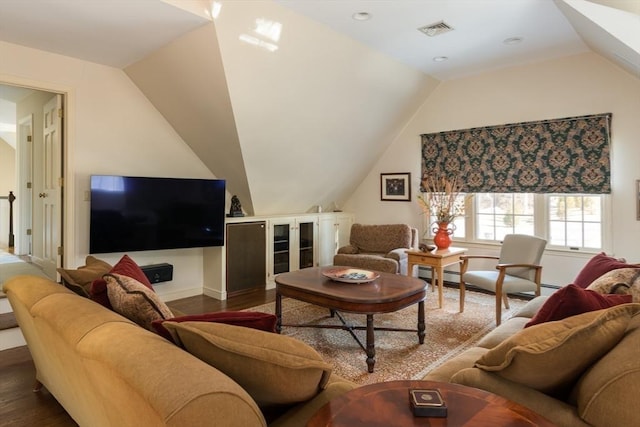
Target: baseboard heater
{"points": [[157, 273]]}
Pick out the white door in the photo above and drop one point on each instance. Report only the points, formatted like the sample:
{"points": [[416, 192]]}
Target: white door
{"points": [[49, 194], [24, 162]]}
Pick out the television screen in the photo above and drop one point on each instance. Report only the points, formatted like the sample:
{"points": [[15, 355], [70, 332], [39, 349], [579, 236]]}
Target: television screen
{"points": [[141, 214]]}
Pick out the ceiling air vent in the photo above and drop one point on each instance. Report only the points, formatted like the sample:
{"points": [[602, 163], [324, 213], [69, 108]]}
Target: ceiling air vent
{"points": [[436, 29]]}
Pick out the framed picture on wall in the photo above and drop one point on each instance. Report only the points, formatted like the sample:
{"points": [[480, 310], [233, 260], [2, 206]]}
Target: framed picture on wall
{"points": [[638, 199], [395, 187]]}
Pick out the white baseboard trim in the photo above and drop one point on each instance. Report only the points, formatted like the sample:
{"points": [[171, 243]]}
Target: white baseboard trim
{"points": [[213, 293]]}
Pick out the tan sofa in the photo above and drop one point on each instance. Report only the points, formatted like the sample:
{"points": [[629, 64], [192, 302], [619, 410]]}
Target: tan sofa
{"points": [[378, 247], [604, 392], [107, 371]]}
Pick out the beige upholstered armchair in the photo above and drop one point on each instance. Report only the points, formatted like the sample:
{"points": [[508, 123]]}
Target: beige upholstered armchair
{"points": [[518, 270], [378, 247]]}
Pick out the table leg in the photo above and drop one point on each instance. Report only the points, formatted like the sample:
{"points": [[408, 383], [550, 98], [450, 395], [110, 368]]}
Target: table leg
{"points": [[278, 312], [371, 347], [421, 326], [440, 286]]}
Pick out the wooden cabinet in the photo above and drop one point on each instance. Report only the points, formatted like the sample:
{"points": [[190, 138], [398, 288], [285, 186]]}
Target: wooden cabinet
{"points": [[255, 255], [333, 232], [246, 254], [292, 244]]}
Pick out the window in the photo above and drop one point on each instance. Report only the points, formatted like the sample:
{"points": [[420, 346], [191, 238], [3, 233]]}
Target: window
{"points": [[575, 221], [499, 214], [567, 221]]}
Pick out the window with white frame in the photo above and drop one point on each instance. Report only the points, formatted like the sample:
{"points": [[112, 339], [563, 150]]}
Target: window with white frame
{"points": [[575, 220], [499, 214], [567, 221]]}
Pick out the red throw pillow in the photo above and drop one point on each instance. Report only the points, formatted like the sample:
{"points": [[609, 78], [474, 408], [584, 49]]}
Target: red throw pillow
{"points": [[596, 267], [249, 319], [126, 267], [572, 300]]}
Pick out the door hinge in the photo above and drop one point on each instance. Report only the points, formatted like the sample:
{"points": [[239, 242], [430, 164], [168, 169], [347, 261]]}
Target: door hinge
{"points": [[61, 181], [60, 113], [28, 185], [59, 250], [28, 138], [28, 232]]}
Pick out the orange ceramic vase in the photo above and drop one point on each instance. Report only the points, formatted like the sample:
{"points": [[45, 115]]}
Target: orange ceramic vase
{"points": [[442, 237]]}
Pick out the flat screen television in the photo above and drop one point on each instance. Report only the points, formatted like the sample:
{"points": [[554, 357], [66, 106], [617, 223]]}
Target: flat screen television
{"points": [[141, 214]]}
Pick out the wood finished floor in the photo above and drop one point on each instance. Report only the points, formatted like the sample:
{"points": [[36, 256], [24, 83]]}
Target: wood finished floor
{"points": [[20, 406]]}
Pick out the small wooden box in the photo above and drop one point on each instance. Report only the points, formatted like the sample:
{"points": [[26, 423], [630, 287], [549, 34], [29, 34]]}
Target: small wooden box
{"points": [[427, 403]]}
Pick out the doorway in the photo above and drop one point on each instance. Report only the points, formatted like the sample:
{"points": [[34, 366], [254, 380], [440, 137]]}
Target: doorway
{"points": [[32, 127]]}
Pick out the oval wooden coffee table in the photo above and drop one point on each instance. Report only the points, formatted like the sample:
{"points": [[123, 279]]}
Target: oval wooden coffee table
{"points": [[386, 294], [387, 404]]}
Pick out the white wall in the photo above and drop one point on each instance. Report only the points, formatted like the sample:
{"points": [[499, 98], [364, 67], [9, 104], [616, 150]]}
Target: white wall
{"points": [[578, 85], [111, 129]]}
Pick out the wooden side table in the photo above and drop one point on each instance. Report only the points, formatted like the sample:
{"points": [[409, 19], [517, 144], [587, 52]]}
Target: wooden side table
{"points": [[387, 404], [437, 259]]}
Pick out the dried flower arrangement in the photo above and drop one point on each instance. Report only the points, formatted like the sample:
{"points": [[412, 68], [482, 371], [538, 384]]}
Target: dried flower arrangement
{"points": [[441, 198]]}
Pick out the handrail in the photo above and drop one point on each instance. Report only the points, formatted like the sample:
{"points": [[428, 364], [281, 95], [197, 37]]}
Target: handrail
{"points": [[11, 198]]}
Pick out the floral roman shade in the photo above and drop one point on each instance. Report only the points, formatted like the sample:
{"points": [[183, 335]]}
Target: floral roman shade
{"points": [[569, 155]]}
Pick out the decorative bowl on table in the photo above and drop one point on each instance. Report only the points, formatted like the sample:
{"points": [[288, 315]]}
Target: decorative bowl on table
{"points": [[351, 275]]}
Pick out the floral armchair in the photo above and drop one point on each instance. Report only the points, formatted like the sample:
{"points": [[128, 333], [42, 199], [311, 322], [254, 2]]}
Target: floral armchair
{"points": [[378, 247]]}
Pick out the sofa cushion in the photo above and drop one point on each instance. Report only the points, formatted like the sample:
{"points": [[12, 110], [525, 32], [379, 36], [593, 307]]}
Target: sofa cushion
{"points": [[446, 371], [620, 281], [274, 369], [572, 300], [249, 319], [502, 332], [134, 300], [531, 307], [568, 346], [126, 267], [79, 280], [596, 267]]}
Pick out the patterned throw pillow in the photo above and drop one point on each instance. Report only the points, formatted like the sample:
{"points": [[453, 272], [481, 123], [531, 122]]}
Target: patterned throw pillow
{"points": [[625, 281], [127, 267], [135, 301]]}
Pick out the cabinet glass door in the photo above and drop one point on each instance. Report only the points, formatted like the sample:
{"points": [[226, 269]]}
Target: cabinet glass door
{"points": [[306, 244], [281, 248]]}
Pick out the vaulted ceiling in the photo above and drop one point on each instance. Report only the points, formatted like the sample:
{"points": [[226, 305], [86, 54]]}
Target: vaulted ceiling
{"points": [[293, 102]]}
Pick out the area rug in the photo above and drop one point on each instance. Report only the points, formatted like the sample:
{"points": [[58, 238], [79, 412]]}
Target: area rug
{"points": [[398, 354], [11, 265]]}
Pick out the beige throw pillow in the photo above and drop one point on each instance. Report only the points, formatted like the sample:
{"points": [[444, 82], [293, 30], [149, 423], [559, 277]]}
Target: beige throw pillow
{"points": [[79, 280], [274, 369], [135, 301], [550, 357]]}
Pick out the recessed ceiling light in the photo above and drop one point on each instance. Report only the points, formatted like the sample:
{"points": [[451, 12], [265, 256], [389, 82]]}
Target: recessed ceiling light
{"points": [[361, 16], [440, 58], [513, 40]]}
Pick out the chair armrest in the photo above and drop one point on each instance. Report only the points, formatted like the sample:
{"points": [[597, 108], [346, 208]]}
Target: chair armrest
{"points": [[468, 257], [505, 266], [349, 249], [398, 254]]}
